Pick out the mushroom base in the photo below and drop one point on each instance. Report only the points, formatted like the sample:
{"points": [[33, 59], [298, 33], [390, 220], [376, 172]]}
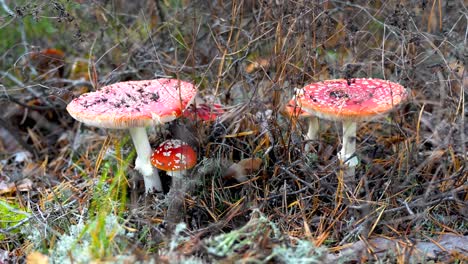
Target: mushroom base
{"points": [[142, 162]]}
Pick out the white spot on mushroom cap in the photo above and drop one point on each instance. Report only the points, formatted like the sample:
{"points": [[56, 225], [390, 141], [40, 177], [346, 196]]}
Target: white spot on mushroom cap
{"points": [[176, 154], [181, 158]]}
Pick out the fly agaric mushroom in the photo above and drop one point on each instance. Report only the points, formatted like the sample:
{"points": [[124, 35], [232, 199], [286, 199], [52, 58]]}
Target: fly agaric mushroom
{"points": [[293, 110], [133, 105], [175, 157], [203, 112], [350, 101]]}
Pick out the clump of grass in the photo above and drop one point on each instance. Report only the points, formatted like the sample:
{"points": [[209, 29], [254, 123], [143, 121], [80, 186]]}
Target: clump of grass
{"points": [[304, 252], [108, 205], [260, 239], [247, 236], [79, 245], [98, 233], [12, 217]]}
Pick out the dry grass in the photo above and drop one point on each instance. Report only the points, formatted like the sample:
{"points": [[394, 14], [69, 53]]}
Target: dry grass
{"points": [[249, 56]]}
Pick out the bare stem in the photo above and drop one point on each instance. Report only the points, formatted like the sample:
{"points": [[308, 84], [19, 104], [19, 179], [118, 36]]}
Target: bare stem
{"points": [[349, 144], [175, 198], [142, 162], [347, 151], [312, 132]]}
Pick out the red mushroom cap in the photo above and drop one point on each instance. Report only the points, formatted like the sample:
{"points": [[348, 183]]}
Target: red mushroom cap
{"points": [[203, 112], [133, 103], [174, 155], [48, 61], [354, 100]]}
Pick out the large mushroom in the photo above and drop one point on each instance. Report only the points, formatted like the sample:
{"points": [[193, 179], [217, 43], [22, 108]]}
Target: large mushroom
{"points": [[350, 101], [134, 105]]}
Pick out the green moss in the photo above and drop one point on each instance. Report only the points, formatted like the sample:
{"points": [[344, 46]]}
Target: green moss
{"points": [[10, 215], [10, 34]]}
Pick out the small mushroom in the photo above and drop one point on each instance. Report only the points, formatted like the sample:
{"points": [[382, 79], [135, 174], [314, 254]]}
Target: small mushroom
{"points": [[175, 157], [350, 101], [134, 105], [203, 112]]}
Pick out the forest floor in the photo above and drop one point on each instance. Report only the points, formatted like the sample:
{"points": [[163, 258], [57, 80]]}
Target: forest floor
{"points": [[69, 192]]}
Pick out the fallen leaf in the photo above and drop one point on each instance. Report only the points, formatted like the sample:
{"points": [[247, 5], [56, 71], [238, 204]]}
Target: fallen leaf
{"points": [[23, 185], [241, 169], [260, 63], [37, 258], [418, 251], [7, 187]]}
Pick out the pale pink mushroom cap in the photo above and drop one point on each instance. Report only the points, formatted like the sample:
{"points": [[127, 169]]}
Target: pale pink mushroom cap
{"points": [[361, 99], [133, 103]]}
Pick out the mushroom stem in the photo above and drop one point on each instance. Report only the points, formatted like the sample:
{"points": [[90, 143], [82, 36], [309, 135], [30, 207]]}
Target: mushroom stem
{"points": [[312, 132], [142, 162], [176, 174], [349, 144], [175, 198]]}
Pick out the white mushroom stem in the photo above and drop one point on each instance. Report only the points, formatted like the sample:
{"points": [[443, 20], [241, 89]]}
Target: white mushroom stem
{"points": [[142, 162], [312, 132], [349, 144], [175, 198], [176, 175]]}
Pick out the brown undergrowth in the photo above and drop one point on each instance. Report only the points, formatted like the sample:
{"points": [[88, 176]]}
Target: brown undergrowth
{"points": [[248, 56]]}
